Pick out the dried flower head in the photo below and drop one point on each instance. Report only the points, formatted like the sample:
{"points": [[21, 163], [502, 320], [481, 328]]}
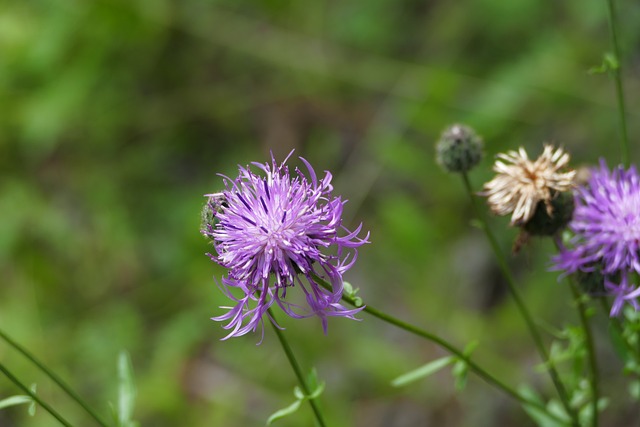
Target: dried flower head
{"points": [[274, 232], [606, 227], [520, 184]]}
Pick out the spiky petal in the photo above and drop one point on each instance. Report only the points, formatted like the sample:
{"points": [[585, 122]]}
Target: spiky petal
{"points": [[606, 227], [276, 231]]}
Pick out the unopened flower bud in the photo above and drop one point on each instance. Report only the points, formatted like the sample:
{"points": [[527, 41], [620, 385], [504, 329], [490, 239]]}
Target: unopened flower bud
{"points": [[459, 149]]}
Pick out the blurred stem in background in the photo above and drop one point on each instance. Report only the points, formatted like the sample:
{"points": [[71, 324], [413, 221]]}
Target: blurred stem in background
{"points": [[296, 369], [533, 330], [31, 394], [616, 70], [53, 376], [591, 351]]}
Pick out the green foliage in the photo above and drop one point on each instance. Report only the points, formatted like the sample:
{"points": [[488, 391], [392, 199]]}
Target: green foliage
{"points": [[541, 418], [20, 400], [123, 414], [423, 371], [459, 371], [316, 389], [117, 115]]}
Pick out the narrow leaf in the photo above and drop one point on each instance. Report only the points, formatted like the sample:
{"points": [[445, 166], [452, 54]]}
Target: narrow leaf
{"points": [[541, 417], [284, 412], [459, 372], [422, 372], [14, 400], [126, 390]]}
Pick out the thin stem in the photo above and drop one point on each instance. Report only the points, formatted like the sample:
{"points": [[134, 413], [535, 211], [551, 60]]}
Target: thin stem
{"points": [[296, 369], [53, 376], [486, 376], [591, 350], [477, 369], [524, 312], [613, 24], [31, 394]]}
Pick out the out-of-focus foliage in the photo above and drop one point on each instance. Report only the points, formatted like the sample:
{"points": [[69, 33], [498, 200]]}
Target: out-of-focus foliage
{"points": [[115, 117]]}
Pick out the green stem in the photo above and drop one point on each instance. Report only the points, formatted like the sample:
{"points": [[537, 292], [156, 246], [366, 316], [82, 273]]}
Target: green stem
{"points": [[31, 394], [591, 350], [477, 369], [618, 82], [53, 376], [524, 312], [296, 369]]}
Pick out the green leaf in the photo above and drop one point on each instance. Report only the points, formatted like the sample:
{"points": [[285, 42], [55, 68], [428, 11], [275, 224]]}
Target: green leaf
{"points": [[312, 379], [126, 391], [469, 348], [300, 397], [422, 372], [459, 372], [284, 412], [541, 417], [14, 401], [32, 406], [352, 292], [609, 63]]}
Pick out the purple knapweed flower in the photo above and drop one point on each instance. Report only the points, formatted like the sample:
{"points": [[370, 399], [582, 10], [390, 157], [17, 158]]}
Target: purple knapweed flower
{"points": [[622, 292], [606, 227], [276, 231]]}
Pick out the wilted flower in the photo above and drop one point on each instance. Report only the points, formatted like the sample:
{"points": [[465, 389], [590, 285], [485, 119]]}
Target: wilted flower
{"points": [[274, 232], [520, 184], [606, 224]]}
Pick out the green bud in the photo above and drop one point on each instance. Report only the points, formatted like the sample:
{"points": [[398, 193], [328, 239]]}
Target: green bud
{"points": [[459, 149]]}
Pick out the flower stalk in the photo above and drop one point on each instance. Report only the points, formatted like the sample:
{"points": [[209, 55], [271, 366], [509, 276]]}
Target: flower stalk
{"points": [[617, 78], [524, 312], [474, 367], [591, 350], [298, 372]]}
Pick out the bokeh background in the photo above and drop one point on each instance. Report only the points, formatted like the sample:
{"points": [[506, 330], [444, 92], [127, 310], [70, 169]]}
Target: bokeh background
{"points": [[116, 117]]}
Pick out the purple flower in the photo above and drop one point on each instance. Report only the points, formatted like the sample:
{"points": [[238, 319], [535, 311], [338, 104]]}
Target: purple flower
{"points": [[606, 223], [276, 231], [622, 293]]}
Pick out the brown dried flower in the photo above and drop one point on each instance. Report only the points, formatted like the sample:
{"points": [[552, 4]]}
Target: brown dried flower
{"points": [[520, 184]]}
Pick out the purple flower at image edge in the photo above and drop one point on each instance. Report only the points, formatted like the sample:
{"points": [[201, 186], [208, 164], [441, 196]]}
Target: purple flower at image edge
{"points": [[606, 227], [275, 231]]}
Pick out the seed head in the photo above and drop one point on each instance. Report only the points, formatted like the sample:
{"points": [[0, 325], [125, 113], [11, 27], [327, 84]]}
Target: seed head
{"points": [[520, 184]]}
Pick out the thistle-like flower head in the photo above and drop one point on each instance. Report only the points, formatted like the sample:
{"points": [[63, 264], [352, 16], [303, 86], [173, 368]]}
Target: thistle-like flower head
{"points": [[520, 184], [275, 231], [606, 227]]}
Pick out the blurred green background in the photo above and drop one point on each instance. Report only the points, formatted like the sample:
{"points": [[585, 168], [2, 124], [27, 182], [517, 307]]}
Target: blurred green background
{"points": [[116, 116]]}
